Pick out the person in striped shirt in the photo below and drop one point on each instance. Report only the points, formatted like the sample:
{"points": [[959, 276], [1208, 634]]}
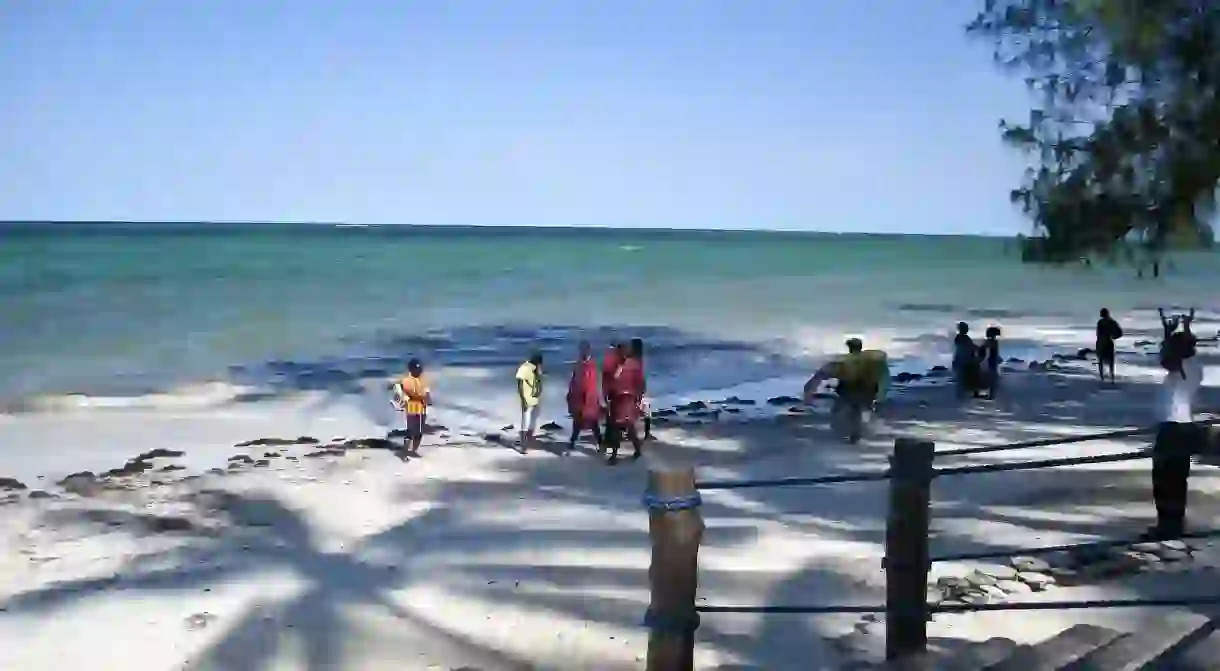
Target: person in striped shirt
{"points": [[416, 397]]}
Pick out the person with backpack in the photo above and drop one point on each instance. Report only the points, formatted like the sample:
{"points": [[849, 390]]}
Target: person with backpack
{"points": [[1108, 331], [1177, 435]]}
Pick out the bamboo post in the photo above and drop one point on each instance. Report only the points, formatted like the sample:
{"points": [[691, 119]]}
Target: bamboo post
{"points": [[675, 527], [906, 548]]}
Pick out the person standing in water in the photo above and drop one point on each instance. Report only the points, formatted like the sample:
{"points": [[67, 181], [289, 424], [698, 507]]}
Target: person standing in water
{"points": [[584, 400], [529, 392], [1108, 331], [989, 356], [626, 392], [637, 352], [965, 362], [414, 397]]}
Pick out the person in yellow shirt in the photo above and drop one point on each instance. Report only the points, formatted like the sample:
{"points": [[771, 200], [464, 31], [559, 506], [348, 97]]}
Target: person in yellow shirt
{"points": [[414, 398], [529, 392], [863, 376]]}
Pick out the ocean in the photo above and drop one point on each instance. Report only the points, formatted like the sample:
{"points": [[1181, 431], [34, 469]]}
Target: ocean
{"points": [[102, 316]]}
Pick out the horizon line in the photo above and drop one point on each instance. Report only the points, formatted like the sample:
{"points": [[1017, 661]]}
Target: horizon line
{"points": [[598, 227]]}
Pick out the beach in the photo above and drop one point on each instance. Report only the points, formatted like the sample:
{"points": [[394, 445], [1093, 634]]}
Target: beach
{"points": [[272, 529]]}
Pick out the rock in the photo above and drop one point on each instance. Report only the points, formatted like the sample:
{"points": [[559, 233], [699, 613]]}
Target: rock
{"points": [[1030, 564], [705, 413], [952, 583], [1173, 555], [1061, 559], [1084, 353], [733, 411], [903, 378], [993, 592], [978, 579], [171, 468], [733, 400], [199, 621], [262, 463], [365, 444], [999, 571], [507, 429], [782, 400], [159, 453], [1144, 343], [271, 455], [975, 598], [1036, 581], [326, 452], [217, 471], [1180, 546], [1152, 547], [1037, 365], [493, 437], [84, 483], [279, 442], [241, 458], [1013, 586], [664, 413], [130, 468], [1013, 359], [935, 595], [162, 524], [1066, 576], [550, 426], [12, 484], [693, 405]]}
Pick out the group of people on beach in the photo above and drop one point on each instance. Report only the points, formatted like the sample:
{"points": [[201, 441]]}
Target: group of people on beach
{"points": [[609, 395]]}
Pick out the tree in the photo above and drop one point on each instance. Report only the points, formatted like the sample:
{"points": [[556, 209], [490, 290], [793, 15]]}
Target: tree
{"points": [[1125, 139]]}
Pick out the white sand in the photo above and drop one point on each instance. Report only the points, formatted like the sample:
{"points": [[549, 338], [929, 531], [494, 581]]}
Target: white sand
{"points": [[477, 557]]}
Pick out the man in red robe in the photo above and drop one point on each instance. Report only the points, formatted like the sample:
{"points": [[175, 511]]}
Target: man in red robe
{"points": [[584, 401], [626, 392]]}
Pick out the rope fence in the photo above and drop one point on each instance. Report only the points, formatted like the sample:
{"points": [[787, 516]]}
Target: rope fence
{"points": [[676, 529]]}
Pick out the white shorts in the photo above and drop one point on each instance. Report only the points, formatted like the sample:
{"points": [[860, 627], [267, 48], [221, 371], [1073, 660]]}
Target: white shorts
{"points": [[529, 419]]}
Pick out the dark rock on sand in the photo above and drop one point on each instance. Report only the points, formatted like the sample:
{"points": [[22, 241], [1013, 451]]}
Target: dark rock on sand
{"points": [[507, 428], [279, 442], [39, 494], [11, 484], [550, 426], [1037, 365], [217, 471], [262, 463], [665, 413], [1084, 353], [732, 411], [1144, 343], [693, 405], [240, 459], [171, 468], [734, 400], [706, 413], [271, 455], [782, 400], [159, 453], [659, 421], [326, 452], [1013, 359], [938, 370], [166, 523], [84, 483], [132, 467], [493, 437], [366, 444], [903, 378]]}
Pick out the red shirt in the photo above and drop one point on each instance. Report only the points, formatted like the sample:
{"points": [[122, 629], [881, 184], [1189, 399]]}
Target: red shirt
{"points": [[610, 363], [583, 402], [626, 391]]}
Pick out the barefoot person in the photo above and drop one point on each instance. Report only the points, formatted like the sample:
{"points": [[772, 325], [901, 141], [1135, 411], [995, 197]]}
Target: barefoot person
{"points": [[584, 399], [989, 357], [529, 392], [1170, 466], [637, 351], [965, 362], [626, 392], [414, 398], [863, 379], [1108, 331]]}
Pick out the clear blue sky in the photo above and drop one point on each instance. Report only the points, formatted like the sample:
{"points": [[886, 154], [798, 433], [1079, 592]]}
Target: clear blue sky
{"points": [[870, 115]]}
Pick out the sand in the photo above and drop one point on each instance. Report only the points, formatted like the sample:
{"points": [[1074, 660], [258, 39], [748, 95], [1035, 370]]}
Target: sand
{"points": [[476, 557]]}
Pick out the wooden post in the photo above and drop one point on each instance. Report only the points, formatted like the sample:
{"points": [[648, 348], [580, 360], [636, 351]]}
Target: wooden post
{"points": [[676, 529], [906, 548]]}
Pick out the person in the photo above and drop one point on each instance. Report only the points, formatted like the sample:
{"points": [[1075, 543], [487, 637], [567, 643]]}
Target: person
{"points": [[637, 351], [989, 355], [965, 362], [584, 401], [414, 398], [863, 378], [1176, 432], [529, 392], [626, 392], [1108, 331]]}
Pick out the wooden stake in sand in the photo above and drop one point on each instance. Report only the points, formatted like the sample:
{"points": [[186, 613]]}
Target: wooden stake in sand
{"points": [[906, 548], [676, 529]]}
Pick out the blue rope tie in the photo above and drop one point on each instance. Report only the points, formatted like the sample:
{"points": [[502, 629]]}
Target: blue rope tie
{"points": [[677, 625], [672, 503]]}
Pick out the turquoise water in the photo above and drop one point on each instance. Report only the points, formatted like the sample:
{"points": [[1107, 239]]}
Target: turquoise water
{"points": [[131, 309]]}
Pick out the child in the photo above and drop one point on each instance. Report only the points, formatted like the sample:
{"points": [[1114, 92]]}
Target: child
{"points": [[989, 354], [413, 397]]}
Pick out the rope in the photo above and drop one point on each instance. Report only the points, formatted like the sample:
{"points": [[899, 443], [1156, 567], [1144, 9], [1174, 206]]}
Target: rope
{"points": [[961, 608], [1044, 442], [967, 556], [793, 482], [1045, 463], [791, 609]]}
